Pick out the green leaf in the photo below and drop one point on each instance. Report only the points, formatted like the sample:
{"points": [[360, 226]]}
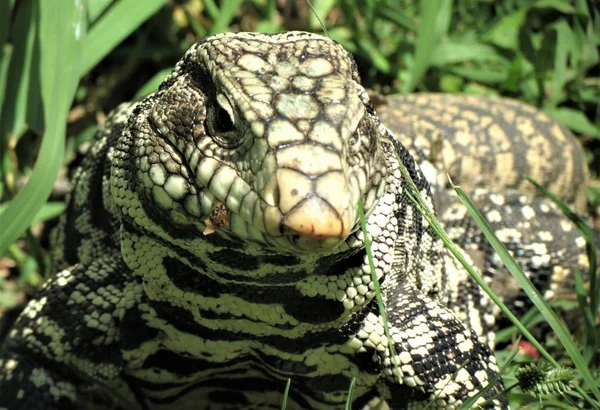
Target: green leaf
{"points": [[479, 74], [6, 56], [48, 211], [114, 26], [575, 120], [591, 250], [61, 31], [433, 26], [269, 26], [505, 32], [321, 10], [457, 51], [96, 8], [534, 295], [470, 402], [450, 83], [286, 392], [564, 43], [227, 12], [348, 405], [515, 74], [21, 78], [394, 14], [558, 5], [344, 36], [378, 60], [6, 8]]}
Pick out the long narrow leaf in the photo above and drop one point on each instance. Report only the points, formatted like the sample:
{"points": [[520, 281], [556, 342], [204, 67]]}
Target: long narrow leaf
{"points": [[431, 29], [286, 392], [20, 76], [534, 295], [61, 29], [227, 12], [348, 405], [537, 299], [114, 26]]}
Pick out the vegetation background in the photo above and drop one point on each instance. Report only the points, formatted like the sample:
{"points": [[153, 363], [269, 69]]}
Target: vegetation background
{"points": [[64, 64]]}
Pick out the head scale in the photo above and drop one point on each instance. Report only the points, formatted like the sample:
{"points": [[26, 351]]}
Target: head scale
{"points": [[277, 132]]}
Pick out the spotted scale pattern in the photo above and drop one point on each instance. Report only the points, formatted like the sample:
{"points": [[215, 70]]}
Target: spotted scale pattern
{"points": [[211, 251], [489, 143], [488, 146]]}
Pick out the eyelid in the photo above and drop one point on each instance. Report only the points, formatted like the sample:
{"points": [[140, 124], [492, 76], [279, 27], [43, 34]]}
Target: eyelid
{"points": [[226, 105]]}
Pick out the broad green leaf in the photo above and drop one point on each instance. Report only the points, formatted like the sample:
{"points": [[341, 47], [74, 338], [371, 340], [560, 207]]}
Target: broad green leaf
{"points": [[114, 26], [505, 32], [575, 120], [479, 89], [558, 5], [481, 75], [212, 9], [450, 83], [590, 38], [50, 210], [6, 50], [61, 33], [457, 51]]}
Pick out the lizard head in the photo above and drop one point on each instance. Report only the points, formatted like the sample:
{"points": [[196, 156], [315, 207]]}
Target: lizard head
{"points": [[277, 135]]}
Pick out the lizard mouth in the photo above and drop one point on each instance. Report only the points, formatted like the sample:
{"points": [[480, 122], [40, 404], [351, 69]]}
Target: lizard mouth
{"points": [[293, 215]]}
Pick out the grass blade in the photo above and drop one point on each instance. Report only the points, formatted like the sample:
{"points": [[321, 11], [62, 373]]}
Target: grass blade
{"points": [[470, 402], [377, 286], [61, 30], [590, 309], [523, 281], [227, 12], [152, 84], [114, 26], [96, 8], [432, 27], [20, 77], [534, 295], [286, 392], [348, 405]]}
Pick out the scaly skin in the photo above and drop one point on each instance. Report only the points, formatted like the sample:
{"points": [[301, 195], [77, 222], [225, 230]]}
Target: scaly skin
{"points": [[211, 251]]}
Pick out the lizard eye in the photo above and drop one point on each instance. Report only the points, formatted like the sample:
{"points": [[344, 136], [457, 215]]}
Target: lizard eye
{"points": [[221, 123]]}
